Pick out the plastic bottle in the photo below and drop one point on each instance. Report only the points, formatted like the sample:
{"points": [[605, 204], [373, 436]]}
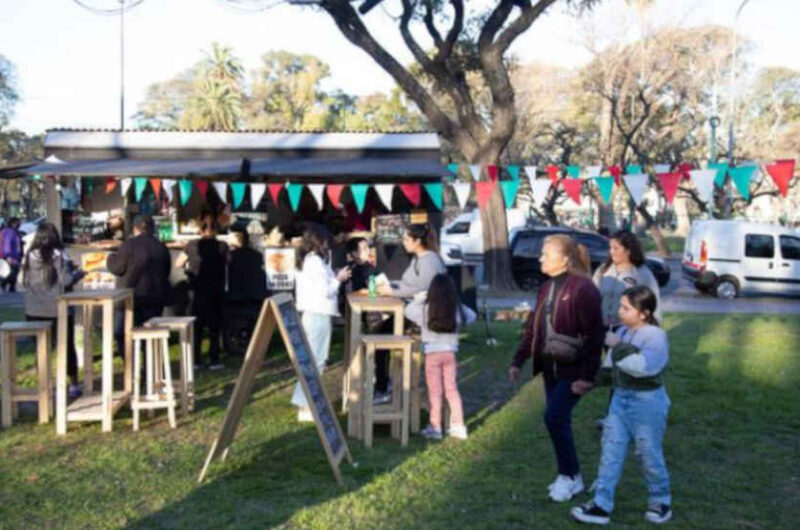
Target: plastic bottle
{"points": [[372, 288]]}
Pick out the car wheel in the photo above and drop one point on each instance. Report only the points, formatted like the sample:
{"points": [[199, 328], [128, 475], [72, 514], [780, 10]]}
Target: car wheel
{"points": [[727, 288]]}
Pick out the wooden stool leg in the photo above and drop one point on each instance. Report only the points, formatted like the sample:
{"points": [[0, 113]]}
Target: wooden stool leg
{"points": [[88, 349], [149, 373], [416, 396], [184, 374], [190, 365], [137, 382], [43, 369], [406, 395], [5, 372], [167, 380], [369, 390], [396, 371], [12, 360], [356, 393]]}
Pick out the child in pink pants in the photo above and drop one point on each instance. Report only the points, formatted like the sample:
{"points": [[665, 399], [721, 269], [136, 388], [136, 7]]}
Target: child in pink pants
{"points": [[439, 315]]}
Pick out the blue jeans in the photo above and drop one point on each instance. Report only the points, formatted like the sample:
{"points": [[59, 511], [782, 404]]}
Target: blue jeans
{"points": [[640, 416], [558, 419], [318, 330]]}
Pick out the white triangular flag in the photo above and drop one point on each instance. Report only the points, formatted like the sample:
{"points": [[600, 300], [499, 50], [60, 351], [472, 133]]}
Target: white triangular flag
{"points": [[704, 182], [125, 184], [662, 168], [475, 169], [637, 186], [462, 192], [316, 191], [540, 188], [593, 171], [531, 172], [222, 191], [256, 192], [385, 193], [166, 185]]}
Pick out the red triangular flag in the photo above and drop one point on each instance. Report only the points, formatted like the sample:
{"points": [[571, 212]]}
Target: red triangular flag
{"points": [[616, 172], [484, 192], [781, 172], [156, 183], [413, 192], [669, 183], [275, 190], [493, 171], [684, 168], [573, 188], [552, 172], [111, 183], [334, 192], [202, 186]]}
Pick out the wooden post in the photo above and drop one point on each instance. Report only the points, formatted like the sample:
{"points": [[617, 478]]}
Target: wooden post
{"points": [[5, 356], [61, 369], [128, 327], [108, 365], [369, 391], [406, 394], [43, 369], [88, 350]]}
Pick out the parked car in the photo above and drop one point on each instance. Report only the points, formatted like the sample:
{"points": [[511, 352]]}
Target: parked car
{"points": [[463, 236], [727, 258], [526, 249]]}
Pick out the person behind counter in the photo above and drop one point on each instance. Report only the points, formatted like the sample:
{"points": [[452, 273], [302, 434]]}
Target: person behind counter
{"points": [[143, 264], [247, 279], [419, 241], [206, 260]]}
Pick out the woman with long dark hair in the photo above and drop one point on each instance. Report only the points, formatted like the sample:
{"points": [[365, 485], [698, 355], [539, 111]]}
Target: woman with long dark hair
{"points": [[419, 241], [316, 296], [47, 273], [563, 336]]}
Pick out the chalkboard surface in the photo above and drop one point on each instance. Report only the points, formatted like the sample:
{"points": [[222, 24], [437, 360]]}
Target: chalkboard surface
{"points": [[308, 371]]}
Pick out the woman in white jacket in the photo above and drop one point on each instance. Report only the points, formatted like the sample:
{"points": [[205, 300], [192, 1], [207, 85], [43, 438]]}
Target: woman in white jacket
{"points": [[316, 292]]}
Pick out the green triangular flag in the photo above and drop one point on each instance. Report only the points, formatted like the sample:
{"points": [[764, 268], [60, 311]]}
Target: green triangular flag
{"points": [[574, 171], [741, 178], [359, 192], [238, 189], [606, 187], [89, 186], [633, 170], [721, 168], [454, 169], [434, 190], [513, 171], [509, 188], [185, 187], [139, 183], [295, 191]]}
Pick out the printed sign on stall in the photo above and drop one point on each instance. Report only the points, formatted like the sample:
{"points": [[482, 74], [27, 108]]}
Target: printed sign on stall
{"points": [[97, 275], [279, 263]]}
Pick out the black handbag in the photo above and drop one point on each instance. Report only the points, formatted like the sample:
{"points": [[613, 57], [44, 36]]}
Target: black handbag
{"points": [[563, 349]]}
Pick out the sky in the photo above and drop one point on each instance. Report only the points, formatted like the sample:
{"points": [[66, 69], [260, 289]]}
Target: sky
{"points": [[68, 58]]}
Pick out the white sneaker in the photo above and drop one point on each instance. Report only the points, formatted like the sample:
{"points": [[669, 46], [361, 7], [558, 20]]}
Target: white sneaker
{"points": [[558, 479], [304, 415], [457, 431], [565, 489]]}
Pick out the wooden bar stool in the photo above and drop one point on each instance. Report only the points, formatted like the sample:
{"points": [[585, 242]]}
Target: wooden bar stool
{"points": [[184, 327], [12, 395], [158, 376], [363, 415]]}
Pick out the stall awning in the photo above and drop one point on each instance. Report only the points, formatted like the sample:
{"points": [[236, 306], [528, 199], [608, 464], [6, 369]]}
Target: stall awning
{"points": [[128, 167], [348, 167]]}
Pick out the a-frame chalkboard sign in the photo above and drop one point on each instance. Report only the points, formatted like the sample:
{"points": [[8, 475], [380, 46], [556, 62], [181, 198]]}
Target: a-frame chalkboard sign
{"points": [[280, 310]]}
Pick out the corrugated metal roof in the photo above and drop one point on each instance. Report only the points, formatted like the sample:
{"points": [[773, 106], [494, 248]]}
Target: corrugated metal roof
{"points": [[238, 131]]}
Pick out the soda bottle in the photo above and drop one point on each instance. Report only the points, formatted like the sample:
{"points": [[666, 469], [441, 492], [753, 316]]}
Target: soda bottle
{"points": [[372, 288]]}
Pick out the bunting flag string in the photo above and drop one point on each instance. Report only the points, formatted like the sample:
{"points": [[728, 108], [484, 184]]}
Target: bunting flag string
{"points": [[741, 177], [721, 168], [594, 171], [606, 187], [125, 185], [139, 184], [703, 180], [453, 168], [412, 193], [275, 192], [493, 171], [573, 189], [334, 192], [111, 183], [574, 171], [359, 192], [510, 188], [661, 169], [316, 191], [637, 186], [684, 168], [552, 172], [781, 172], [237, 189], [475, 171], [540, 188], [185, 189], [202, 186], [435, 192], [168, 186], [633, 170], [513, 171], [483, 191], [156, 184], [461, 190], [531, 172], [222, 191], [669, 183], [257, 190], [615, 172], [385, 192]]}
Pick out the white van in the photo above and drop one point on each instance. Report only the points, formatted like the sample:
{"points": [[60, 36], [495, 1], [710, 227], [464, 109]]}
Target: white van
{"points": [[730, 257], [463, 236]]}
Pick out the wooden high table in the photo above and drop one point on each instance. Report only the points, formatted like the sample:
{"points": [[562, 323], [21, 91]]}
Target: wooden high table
{"points": [[94, 406]]}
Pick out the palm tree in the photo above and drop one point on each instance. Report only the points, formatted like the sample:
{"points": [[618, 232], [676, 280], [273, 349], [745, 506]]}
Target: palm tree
{"points": [[222, 66], [215, 107]]}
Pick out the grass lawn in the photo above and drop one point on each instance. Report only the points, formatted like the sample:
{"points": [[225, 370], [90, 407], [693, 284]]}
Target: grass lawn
{"points": [[732, 447]]}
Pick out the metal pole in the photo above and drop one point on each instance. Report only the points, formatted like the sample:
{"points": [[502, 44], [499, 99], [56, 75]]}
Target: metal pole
{"points": [[122, 65], [731, 140]]}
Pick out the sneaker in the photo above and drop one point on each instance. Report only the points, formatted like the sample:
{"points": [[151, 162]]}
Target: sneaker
{"points": [[304, 415], [74, 391], [216, 366], [590, 513], [565, 489], [658, 513], [430, 433], [458, 432], [553, 484], [381, 398]]}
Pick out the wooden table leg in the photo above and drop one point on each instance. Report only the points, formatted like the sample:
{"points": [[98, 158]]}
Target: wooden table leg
{"points": [[369, 389], [128, 327], [184, 371], [5, 369], [190, 365], [87, 311], [396, 371], [43, 369], [406, 395], [61, 369], [416, 391], [355, 394], [108, 365]]}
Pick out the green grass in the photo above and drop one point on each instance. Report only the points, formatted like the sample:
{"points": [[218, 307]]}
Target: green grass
{"points": [[732, 447]]}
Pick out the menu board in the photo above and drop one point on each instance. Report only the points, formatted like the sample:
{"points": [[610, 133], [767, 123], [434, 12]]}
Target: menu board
{"points": [[279, 264], [97, 275]]}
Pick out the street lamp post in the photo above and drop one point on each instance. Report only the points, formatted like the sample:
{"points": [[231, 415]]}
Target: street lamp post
{"points": [[732, 119]]}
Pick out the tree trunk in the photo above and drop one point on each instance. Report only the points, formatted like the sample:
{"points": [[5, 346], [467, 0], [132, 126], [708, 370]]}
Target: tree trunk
{"points": [[496, 256], [660, 241]]}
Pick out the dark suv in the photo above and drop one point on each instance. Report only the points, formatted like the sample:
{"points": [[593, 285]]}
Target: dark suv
{"points": [[526, 249]]}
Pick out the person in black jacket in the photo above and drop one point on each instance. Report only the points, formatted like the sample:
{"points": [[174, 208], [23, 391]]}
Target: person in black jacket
{"points": [[143, 264], [247, 279]]}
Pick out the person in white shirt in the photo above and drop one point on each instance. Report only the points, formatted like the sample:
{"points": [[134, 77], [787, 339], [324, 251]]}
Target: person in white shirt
{"points": [[316, 292]]}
